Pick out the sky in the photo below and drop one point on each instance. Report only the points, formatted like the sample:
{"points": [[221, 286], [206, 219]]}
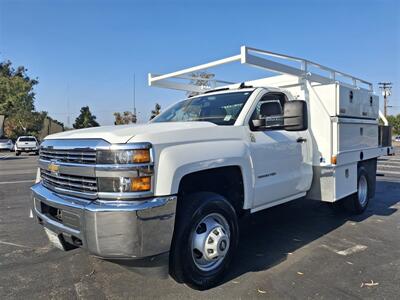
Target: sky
{"points": [[87, 52]]}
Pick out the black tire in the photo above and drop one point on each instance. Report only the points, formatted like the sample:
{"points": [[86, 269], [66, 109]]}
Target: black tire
{"points": [[358, 202], [37, 153], [192, 210], [17, 153]]}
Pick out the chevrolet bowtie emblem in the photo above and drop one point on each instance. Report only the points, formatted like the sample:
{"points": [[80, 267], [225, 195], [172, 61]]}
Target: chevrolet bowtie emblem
{"points": [[53, 167]]}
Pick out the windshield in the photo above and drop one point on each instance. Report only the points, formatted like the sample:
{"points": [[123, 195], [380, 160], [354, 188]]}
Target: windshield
{"points": [[220, 109], [27, 139]]}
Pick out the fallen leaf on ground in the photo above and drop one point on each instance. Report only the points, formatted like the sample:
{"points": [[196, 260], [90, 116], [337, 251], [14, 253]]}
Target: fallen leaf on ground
{"points": [[300, 273], [233, 281], [372, 283], [261, 291], [350, 263]]}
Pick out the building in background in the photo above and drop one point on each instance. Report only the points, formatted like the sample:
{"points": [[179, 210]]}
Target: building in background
{"points": [[50, 126]]}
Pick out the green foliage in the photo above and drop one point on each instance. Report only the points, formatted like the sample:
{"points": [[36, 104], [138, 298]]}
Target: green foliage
{"points": [[156, 111], [126, 117], [85, 119], [394, 121], [17, 102], [16, 90]]}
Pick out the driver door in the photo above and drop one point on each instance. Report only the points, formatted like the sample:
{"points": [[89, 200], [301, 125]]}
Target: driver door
{"points": [[279, 159]]}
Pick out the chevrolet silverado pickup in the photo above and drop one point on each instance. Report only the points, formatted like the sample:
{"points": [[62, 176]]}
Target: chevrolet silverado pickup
{"points": [[178, 185]]}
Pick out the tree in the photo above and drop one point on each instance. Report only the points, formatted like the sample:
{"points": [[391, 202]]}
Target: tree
{"points": [[16, 89], [118, 119], [126, 118], [85, 119], [156, 111], [394, 121], [17, 101]]}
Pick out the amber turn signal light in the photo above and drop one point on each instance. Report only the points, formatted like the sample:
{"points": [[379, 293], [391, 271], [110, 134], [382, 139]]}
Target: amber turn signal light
{"points": [[141, 156], [141, 184]]}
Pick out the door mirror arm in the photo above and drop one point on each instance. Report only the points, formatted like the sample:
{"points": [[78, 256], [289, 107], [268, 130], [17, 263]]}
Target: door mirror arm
{"points": [[270, 122]]}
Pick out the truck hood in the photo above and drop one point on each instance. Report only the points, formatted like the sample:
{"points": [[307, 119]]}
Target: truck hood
{"points": [[124, 133]]}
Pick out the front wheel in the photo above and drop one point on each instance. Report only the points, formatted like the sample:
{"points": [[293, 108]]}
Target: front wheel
{"points": [[17, 153], [205, 239]]}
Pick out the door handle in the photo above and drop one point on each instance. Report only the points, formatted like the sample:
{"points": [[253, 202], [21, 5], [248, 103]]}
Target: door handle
{"points": [[301, 140]]}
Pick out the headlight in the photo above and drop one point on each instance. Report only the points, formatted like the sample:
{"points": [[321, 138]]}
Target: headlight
{"points": [[137, 156], [124, 184]]}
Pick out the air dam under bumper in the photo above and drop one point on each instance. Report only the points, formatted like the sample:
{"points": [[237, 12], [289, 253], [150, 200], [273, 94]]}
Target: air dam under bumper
{"points": [[135, 229]]}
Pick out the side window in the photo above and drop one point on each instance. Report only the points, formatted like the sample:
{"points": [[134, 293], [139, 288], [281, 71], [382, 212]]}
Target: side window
{"points": [[277, 101]]}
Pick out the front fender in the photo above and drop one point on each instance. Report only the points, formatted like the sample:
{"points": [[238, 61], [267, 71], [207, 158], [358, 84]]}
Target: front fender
{"points": [[177, 161]]}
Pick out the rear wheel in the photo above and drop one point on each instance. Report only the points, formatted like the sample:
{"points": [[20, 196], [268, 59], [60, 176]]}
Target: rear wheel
{"points": [[17, 153], [358, 202], [205, 239]]}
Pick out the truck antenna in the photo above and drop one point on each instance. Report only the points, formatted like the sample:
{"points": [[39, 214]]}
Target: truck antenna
{"points": [[134, 94]]}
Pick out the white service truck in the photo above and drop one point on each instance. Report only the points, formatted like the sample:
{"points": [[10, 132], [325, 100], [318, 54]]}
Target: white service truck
{"points": [[175, 187]]}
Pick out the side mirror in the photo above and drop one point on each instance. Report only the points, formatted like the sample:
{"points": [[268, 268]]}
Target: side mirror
{"points": [[295, 115]]}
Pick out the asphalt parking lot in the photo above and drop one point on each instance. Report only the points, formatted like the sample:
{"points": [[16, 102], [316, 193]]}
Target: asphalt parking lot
{"points": [[297, 250]]}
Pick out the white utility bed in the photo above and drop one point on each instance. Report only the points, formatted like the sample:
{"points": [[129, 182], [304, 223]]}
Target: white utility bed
{"points": [[343, 112]]}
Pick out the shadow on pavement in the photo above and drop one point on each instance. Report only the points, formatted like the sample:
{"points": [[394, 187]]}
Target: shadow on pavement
{"points": [[13, 157], [267, 237]]}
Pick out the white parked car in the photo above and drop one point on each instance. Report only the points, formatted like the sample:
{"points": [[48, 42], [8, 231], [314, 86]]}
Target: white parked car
{"points": [[176, 187], [27, 144], [6, 144]]}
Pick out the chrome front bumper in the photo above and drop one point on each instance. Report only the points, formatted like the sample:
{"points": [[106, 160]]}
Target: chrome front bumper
{"points": [[135, 229]]}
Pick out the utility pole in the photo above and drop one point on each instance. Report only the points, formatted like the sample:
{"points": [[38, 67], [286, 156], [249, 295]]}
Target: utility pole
{"points": [[386, 88], [134, 95], [68, 116]]}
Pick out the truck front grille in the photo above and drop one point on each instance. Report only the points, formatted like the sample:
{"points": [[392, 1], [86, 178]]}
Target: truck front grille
{"points": [[70, 156], [85, 185]]}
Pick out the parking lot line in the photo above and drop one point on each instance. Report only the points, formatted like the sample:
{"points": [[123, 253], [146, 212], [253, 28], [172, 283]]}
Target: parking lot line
{"points": [[12, 244], [380, 171], [18, 172], [18, 181]]}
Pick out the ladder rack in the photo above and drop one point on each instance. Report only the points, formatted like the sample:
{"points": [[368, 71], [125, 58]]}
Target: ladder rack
{"points": [[255, 58]]}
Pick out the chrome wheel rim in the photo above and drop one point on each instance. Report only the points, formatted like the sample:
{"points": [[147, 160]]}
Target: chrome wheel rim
{"points": [[362, 190], [210, 241]]}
